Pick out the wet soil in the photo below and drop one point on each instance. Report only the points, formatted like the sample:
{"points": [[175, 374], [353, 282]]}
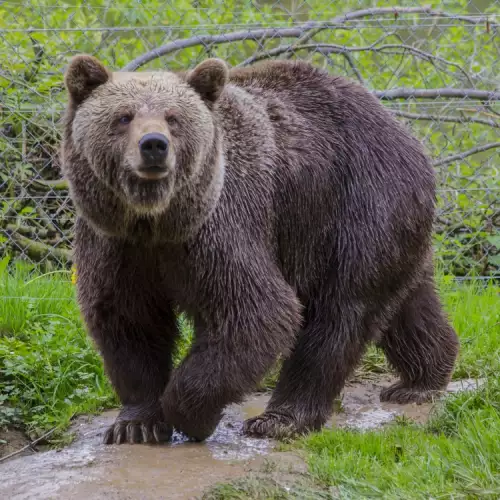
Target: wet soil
{"points": [[12, 440], [181, 470]]}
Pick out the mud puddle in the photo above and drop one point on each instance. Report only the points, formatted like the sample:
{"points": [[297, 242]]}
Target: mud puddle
{"points": [[181, 470]]}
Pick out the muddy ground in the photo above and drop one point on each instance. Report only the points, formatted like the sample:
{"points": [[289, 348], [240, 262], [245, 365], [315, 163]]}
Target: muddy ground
{"points": [[89, 470]]}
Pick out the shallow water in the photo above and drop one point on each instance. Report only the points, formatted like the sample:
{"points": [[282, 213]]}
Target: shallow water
{"points": [[180, 470]]}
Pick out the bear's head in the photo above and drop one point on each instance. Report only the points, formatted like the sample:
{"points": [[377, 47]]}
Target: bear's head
{"points": [[144, 137]]}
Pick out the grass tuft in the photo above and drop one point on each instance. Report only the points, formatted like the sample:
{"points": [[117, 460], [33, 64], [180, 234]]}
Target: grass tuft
{"points": [[457, 455]]}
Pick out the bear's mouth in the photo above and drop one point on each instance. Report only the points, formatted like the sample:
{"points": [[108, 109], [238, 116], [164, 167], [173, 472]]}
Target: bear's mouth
{"points": [[153, 172]]}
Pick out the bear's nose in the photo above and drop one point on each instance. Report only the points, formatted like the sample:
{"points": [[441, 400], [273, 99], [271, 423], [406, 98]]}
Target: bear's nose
{"points": [[154, 149]]}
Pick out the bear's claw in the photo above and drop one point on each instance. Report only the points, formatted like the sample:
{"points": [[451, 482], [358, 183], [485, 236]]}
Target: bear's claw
{"points": [[272, 425], [137, 432], [139, 423], [401, 394]]}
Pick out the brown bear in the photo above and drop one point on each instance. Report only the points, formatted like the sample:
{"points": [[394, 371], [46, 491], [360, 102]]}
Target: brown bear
{"points": [[285, 210]]}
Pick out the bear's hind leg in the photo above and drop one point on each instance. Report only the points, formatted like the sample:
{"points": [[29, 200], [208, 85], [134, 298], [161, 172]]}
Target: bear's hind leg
{"points": [[422, 346], [328, 348]]}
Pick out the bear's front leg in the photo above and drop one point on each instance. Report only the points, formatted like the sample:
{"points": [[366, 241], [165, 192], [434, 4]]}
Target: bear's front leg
{"points": [[135, 330], [136, 345], [239, 334]]}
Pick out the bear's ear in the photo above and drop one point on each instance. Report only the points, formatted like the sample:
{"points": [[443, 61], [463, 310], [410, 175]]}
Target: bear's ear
{"points": [[84, 74], [208, 79]]}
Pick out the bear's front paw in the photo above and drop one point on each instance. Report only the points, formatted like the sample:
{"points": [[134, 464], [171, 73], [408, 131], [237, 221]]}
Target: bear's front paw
{"points": [[141, 423], [190, 416]]}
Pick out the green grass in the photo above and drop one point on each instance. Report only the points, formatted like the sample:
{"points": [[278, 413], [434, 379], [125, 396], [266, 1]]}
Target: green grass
{"points": [[257, 487], [456, 455], [49, 369], [474, 309]]}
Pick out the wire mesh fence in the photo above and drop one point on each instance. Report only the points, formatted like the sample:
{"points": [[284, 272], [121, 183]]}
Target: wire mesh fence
{"points": [[436, 67]]}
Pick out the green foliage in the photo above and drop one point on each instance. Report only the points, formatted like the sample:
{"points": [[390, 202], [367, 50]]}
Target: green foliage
{"points": [[49, 369], [186, 337], [38, 42]]}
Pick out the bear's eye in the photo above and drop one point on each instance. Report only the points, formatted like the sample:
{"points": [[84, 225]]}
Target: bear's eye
{"points": [[172, 120], [125, 119]]}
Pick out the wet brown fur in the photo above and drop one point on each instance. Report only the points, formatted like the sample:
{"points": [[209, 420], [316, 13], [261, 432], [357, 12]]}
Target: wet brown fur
{"points": [[296, 219]]}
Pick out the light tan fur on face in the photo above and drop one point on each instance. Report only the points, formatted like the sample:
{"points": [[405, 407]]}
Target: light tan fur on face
{"points": [[101, 157], [164, 103], [146, 121]]}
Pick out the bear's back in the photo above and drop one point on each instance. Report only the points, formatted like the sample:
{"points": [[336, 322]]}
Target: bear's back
{"points": [[349, 175], [330, 125]]}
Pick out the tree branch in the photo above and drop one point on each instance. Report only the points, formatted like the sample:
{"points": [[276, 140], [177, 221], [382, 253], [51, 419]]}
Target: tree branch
{"points": [[300, 46], [31, 73], [451, 119], [304, 38], [465, 154], [37, 250], [30, 232], [329, 48], [403, 93], [353, 66], [296, 32], [57, 185], [28, 446], [426, 56]]}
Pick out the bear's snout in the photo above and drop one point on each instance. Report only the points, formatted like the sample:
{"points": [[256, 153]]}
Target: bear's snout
{"points": [[154, 151]]}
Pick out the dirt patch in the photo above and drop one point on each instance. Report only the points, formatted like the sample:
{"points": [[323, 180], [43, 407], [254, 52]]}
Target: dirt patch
{"points": [[362, 408], [180, 470], [12, 440]]}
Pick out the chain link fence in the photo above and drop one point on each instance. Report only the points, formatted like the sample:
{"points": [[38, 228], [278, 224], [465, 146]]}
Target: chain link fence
{"points": [[437, 67]]}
